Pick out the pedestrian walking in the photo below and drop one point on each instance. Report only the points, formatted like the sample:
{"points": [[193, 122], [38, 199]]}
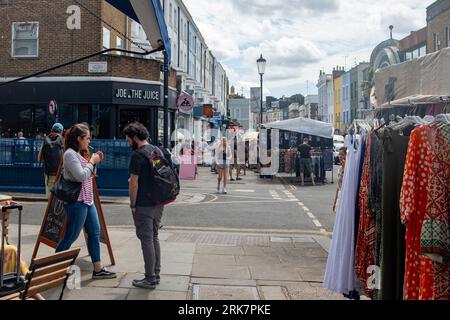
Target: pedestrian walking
{"points": [[79, 166], [306, 161], [223, 158], [50, 155], [148, 196]]}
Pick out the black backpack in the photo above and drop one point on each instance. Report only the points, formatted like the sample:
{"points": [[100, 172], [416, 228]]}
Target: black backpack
{"points": [[52, 151], [166, 184]]}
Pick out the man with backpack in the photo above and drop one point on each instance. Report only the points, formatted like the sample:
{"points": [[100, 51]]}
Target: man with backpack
{"points": [[153, 184], [50, 155]]}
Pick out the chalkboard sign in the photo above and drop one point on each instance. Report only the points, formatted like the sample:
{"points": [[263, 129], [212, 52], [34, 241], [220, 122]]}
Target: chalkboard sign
{"points": [[54, 224]]}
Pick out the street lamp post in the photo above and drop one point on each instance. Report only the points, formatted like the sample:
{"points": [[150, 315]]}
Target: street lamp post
{"points": [[261, 62]]}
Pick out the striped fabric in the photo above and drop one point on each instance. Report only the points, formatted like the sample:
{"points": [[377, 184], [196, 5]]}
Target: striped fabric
{"points": [[87, 190]]}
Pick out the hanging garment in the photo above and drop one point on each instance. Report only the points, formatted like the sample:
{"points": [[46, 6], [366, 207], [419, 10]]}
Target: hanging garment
{"points": [[360, 172], [435, 235], [393, 231], [365, 248], [413, 201], [340, 270]]}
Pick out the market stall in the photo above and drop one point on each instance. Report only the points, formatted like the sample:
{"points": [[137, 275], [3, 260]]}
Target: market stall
{"points": [[292, 133]]}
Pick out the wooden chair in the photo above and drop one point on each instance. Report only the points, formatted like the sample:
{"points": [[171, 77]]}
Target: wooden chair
{"points": [[49, 273]]}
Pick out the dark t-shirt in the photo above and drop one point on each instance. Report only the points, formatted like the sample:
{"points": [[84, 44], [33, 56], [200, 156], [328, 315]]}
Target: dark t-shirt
{"points": [[305, 151], [140, 166]]}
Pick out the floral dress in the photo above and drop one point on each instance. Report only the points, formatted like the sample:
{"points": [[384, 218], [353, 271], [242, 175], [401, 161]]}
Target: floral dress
{"points": [[413, 202]]}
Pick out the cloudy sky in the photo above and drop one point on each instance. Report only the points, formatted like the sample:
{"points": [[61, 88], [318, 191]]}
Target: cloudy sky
{"points": [[299, 37]]}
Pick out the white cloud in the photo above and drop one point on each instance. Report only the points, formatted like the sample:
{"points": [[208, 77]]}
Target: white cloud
{"points": [[299, 37]]}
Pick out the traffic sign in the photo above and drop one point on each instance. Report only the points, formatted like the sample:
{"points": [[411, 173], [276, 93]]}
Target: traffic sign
{"points": [[185, 102]]}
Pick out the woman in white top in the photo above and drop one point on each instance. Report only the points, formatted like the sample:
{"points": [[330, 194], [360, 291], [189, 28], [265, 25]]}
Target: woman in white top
{"points": [[79, 166], [223, 156]]}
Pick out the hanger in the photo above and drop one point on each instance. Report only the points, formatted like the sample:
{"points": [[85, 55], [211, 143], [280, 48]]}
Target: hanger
{"points": [[444, 118]]}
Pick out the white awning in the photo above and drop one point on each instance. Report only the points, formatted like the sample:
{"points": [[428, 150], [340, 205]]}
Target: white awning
{"points": [[305, 126]]}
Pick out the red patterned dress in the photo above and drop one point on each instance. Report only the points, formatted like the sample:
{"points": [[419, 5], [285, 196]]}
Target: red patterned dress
{"points": [[365, 249], [435, 237], [413, 203]]}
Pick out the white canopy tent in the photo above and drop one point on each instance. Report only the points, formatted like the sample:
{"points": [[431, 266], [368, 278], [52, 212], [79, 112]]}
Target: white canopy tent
{"points": [[305, 126]]}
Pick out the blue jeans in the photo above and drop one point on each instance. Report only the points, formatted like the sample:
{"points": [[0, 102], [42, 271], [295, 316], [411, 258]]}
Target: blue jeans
{"points": [[80, 215]]}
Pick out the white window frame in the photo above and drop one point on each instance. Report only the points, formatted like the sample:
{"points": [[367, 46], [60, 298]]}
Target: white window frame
{"points": [[37, 40], [103, 38], [117, 44], [448, 36], [437, 41]]}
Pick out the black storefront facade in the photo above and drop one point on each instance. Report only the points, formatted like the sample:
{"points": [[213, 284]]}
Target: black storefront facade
{"points": [[106, 104]]}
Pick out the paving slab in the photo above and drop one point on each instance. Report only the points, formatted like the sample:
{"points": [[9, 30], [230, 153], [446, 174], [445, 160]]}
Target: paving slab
{"points": [[273, 293], [311, 274], [173, 268], [180, 257], [90, 293], [303, 261], [168, 283], [107, 283], [224, 282], [249, 251], [274, 273], [208, 292], [142, 294], [307, 252], [226, 260], [258, 260], [223, 272], [178, 247], [219, 250], [312, 293]]}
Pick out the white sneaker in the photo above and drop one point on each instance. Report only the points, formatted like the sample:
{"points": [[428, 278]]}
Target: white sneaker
{"points": [[224, 191]]}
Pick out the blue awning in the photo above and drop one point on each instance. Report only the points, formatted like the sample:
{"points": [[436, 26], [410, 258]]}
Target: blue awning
{"points": [[150, 15]]}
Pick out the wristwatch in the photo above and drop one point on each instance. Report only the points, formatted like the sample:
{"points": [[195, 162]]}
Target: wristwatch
{"points": [[132, 207]]}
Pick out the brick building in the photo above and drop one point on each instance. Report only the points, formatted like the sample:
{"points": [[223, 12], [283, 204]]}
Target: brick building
{"points": [[438, 25], [106, 91]]}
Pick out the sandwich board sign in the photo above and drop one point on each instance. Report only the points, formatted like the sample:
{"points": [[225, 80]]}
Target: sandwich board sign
{"points": [[54, 224]]}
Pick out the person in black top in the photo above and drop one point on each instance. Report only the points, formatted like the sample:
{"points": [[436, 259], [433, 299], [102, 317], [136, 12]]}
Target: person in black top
{"points": [[147, 217], [306, 161]]}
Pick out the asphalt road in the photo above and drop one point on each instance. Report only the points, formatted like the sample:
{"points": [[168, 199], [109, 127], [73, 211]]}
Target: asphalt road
{"points": [[251, 204]]}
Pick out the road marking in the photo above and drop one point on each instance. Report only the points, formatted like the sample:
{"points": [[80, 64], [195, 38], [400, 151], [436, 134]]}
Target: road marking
{"points": [[311, 215], [323, 231], [231, 202], [293, 187], [249, 191], [301, 204], [317, 223]]}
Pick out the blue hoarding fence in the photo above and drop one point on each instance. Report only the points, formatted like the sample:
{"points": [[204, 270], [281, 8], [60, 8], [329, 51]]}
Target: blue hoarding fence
{"points": [[20, 169]]}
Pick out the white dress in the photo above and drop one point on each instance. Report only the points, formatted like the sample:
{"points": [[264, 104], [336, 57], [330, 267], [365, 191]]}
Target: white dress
{"points": [[340, 274]]}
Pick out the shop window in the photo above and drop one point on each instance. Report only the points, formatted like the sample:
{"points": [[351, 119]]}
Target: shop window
{"points": [[25, 39]]}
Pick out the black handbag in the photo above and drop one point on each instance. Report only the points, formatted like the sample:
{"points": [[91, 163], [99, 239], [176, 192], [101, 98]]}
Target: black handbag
{"points": [[66, 190]]}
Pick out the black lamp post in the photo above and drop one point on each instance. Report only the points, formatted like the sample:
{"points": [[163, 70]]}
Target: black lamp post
{"points": [[261, 62]]}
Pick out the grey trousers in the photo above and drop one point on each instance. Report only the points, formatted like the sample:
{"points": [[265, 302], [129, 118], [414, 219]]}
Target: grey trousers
{"points": [[147, 221]]}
